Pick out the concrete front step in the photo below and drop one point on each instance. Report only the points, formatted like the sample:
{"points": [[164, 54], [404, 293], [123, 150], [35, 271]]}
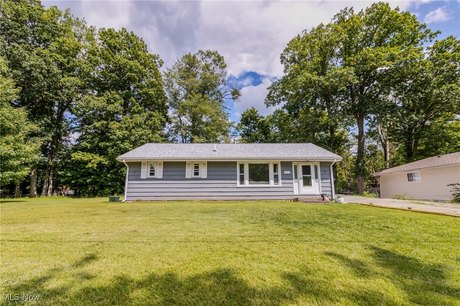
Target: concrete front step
{"points": [[311, 199]]}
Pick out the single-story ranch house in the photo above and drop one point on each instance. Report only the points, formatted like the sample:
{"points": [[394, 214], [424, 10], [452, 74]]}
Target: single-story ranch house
{"points": [[425, 179], [160, 171]]}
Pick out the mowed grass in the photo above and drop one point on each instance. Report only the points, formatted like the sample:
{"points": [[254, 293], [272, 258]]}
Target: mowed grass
{"points": [[89, 251]]}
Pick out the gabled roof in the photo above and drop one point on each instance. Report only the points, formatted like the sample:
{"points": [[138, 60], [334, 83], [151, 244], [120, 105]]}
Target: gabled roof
{"points": [[430, 162], [209, 151]]}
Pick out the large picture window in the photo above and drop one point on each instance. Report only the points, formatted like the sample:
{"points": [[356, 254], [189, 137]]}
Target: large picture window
{"points": [[258, 174]]}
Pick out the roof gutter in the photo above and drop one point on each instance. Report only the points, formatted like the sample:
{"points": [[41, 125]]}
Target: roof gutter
{"points": [[332, 178], [139, 159]]}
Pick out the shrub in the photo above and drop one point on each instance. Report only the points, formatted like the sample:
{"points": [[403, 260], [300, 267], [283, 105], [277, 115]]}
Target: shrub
{"points": [[455, 192]]}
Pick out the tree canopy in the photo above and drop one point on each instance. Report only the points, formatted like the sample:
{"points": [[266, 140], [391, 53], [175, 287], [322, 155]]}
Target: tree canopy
{"points": [[196, 86], [369, 66], [375, 86]]}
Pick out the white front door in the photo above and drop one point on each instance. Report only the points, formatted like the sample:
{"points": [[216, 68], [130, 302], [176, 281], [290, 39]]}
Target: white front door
{"points": [[306, 178]]}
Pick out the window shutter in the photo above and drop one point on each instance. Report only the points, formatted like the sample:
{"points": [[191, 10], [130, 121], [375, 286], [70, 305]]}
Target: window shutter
{"points": [[188, 170], [204, 170], [159, 169], [144, 169]]}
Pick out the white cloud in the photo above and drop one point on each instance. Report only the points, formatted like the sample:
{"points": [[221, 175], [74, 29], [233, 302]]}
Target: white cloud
{"points": [[250, 34], [254, 96], [437, 15]]}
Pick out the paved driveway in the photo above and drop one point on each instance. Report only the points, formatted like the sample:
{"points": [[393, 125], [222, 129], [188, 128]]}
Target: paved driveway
{"points": [[415, 205]]}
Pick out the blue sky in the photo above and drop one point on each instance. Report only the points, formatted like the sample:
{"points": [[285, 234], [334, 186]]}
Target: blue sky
{"points": [[249, 34]]}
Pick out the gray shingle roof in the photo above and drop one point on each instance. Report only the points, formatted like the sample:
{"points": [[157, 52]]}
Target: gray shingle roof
{"points": [[208, 151], [430, 162]]}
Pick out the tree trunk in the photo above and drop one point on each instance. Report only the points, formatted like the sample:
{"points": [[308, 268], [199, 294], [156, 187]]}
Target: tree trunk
{"points": [[45, 182], [410, 145], [360, 163], [17, 189], [33, 183], [384, 141], [47, 189]]}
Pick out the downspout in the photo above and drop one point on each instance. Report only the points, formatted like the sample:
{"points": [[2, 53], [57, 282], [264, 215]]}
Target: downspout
{"points": [[332, 179], [126, 181]]}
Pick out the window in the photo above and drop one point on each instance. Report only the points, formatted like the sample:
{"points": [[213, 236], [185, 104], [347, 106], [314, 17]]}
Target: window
{"points": [[261, 174], [306, 175], [413, 176], [196, 170], [152, 169], [276, 175], [241, 174]]}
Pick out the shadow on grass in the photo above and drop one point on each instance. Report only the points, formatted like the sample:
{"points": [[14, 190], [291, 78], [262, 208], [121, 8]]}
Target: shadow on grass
{"points": [[359, 267], [11, 201], [423, 283], [85, 260]]}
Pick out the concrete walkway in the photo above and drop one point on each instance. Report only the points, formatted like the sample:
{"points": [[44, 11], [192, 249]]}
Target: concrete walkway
{"points": [[414, 205]]}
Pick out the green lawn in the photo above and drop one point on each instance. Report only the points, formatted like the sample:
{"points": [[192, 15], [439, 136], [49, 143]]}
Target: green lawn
{"points": [[89, 251]]}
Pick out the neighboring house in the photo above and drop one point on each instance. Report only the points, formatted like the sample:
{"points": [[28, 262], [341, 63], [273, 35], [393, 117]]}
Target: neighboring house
{"points": [[228, 171], [425, 179]]}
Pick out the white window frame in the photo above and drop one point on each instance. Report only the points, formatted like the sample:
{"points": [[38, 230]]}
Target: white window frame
{"points": [[270, 173], [154, 164], [417, 176], [190, 169], [199, 170], [145, 169]]}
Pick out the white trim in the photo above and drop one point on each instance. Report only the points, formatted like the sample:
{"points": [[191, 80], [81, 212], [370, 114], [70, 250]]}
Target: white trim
{"points": [[158, 166], [126, 182], [149, 165], [193, 169], [270, 173], [287, 159], [320, 188], [144, 168], [295, 173], [332, 181], [159, 169], [300, 177], [190, 169]]}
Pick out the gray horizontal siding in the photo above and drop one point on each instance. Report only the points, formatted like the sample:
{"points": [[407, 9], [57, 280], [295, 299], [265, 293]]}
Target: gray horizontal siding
{"points": [[326, 184], [173, 171], [221, 183]]}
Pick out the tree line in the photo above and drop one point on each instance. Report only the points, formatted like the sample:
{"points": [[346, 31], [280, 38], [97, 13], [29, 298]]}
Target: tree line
{"points": [[374, 86], [73, 97]]}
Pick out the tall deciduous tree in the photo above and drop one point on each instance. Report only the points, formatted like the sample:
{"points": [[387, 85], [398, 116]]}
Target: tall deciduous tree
{"points": [[196, 88], [312, 88], [18, 151], [426, 101], [43, 47], [340, 67], [124, 107], [253, 127]]}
